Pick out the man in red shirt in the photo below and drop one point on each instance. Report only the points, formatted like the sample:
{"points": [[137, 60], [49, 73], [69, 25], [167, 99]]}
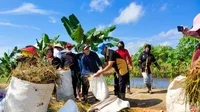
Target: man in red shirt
{"points": [[126, 56]]}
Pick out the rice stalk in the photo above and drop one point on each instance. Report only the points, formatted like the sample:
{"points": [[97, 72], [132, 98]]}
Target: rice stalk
{"points": [[192, 84], [35, 70]]}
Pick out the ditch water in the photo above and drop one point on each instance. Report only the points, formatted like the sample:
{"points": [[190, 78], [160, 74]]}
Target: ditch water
{"points": [[137, 82]]}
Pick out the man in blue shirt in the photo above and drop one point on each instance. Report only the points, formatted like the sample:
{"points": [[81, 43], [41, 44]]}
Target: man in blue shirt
{"points": [[91, 63]]}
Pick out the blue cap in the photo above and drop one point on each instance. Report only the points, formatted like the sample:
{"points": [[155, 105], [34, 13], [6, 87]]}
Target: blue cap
{"points": [[101, 47]]}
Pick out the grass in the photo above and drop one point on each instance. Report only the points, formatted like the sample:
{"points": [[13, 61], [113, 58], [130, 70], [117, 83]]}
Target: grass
{"points": [[3, 79]]}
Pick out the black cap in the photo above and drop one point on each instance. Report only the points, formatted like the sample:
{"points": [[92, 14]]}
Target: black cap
{"points": [[85, 46]]}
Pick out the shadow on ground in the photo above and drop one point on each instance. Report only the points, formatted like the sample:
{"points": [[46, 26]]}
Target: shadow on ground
{"points": [[144, 103]]}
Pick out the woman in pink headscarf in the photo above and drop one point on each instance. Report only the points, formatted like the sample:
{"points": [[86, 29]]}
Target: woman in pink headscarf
{"points": [[195, 31]]}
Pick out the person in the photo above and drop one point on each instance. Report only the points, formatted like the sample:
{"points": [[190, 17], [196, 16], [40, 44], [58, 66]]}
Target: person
{"points": [[195, 31], [113, 59], [195, 56], [145, 61], [55, 61], [91, 63], [126, 56], [78, 90], [57, 50], [69, 60]]}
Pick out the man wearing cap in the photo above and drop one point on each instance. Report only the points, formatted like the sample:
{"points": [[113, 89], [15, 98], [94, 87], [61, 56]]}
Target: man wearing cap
{"points": [[57, 50], [145, 61], [195, 31], [91, 63], [114, 60], [69, 60]]}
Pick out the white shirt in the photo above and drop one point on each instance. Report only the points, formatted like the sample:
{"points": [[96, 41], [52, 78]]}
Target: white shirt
{"points": [[57, 53]]}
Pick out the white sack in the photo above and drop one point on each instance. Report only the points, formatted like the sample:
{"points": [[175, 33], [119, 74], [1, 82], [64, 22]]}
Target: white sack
{"points": [[64, 89], [111, 104], [99, 87], [175, 98], [69, 106], [23, 96]]}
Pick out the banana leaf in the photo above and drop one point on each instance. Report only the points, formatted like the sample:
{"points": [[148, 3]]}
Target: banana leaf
{"points": [[106, 31], [78, 35], [74, 21], [46, 39]]}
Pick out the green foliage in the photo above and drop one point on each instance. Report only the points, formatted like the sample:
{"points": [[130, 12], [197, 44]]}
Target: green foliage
{"points": [[7, 62], [93, 37], [173, 61]]}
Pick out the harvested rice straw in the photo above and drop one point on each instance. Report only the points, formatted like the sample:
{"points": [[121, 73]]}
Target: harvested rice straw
{"points": [[35, 70], [192, 84]]}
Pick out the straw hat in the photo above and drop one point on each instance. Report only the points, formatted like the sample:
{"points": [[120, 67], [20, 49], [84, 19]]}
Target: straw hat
{"points": [[58, 45]]}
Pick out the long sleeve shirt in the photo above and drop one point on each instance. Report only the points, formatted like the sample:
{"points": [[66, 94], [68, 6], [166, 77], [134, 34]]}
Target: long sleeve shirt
{"points": [[70, 60], [145, 61], [125, 55], [90, 63]]}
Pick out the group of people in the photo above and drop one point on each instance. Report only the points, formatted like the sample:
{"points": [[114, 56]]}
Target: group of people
{"points": [[88, 63]]}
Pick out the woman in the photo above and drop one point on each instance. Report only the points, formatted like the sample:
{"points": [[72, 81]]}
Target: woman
{"points": [[145, 61], [55, 61], [126, 56]]}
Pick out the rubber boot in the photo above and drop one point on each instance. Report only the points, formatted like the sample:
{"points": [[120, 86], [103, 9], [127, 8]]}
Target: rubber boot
{"points": [[122, 96], [128, 89], [117, 94], [149, 88]]}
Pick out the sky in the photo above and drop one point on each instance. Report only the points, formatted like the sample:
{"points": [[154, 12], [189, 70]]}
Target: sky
{"points": [[138, 21]]}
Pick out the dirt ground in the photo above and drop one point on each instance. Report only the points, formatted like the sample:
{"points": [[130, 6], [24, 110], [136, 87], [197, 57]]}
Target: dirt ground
{"points": [[140, 100]]}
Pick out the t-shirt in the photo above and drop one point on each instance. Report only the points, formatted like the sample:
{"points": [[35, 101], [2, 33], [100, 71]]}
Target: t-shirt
{"points": [[125, 55], [119, 64], [90, 63]]}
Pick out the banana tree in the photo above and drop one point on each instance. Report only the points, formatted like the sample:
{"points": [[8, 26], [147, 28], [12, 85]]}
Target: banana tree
{"points": [[7, 62], [46, 41], [92, 37]]}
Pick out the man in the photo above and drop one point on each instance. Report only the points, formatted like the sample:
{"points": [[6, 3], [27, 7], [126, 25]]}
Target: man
{"points": [[69, 60], [145, 61], [91, 63], [125, 55], [195, 31], [114, 60], [57, 50]]}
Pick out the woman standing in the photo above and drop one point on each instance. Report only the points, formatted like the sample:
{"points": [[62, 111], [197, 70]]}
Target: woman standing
{"points": [[126, 56]]}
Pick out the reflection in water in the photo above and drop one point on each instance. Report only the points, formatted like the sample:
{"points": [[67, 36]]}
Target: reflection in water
{"points": [[137, 82], [157, 82]]}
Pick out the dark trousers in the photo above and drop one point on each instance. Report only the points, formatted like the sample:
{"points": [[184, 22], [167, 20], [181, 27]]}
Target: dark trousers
{"points": [[120, 83], [85, 86], [74, 81]]}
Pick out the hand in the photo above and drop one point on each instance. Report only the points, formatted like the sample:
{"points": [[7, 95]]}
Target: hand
{"points": [[96, 75], [130, 67]]}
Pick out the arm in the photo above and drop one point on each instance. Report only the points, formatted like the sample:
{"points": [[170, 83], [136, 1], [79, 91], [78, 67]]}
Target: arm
{"points": [[62, 61], [108, 67], [76, 63], [194, 34], [140, 61], [98, 60], [129, 59], [155, 62]]}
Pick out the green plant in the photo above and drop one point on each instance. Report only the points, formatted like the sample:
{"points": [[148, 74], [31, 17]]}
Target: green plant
{"points": [[8, 62], [92, 37]]}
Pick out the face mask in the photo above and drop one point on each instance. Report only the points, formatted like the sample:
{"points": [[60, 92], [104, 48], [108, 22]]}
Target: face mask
{"points": [[120, 47], [68, 50]]}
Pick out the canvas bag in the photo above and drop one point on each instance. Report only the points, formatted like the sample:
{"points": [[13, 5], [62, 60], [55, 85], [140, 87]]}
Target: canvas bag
{"points": [[99, 87], [24, 96], [64, 89], [175, 98]]}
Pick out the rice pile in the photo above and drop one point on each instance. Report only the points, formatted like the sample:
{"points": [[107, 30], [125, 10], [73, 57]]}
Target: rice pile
{"points": [[192, 84], [35, 70]]}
